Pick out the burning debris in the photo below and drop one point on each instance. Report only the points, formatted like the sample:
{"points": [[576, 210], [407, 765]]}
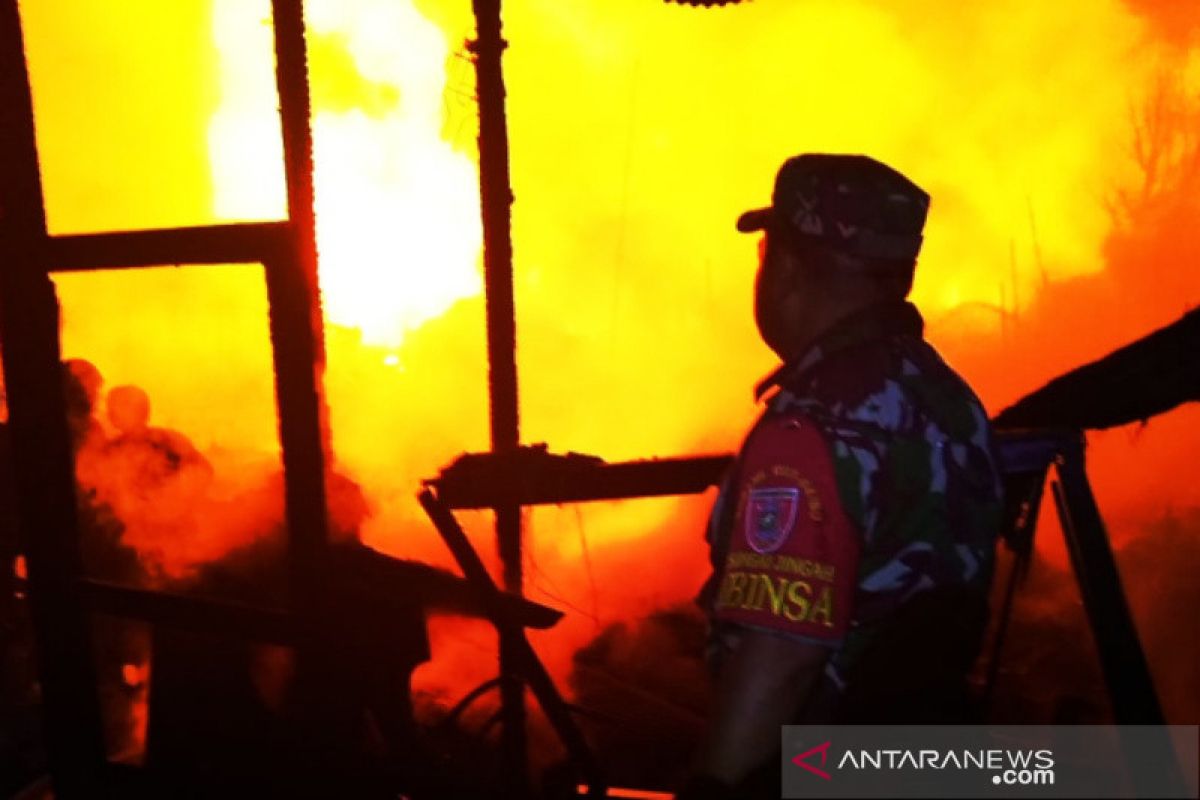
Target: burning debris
{"points": [[220, 708]]}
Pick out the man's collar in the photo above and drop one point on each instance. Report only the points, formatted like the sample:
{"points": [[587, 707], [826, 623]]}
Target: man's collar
{"points": [[865, 325]]}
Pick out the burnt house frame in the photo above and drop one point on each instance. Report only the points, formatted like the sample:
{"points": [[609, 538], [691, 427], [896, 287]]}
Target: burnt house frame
{"points": [[60, 598]]}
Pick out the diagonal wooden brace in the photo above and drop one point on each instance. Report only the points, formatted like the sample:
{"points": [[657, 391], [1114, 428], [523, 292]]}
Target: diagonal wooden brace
{"points": [[529, 667]]}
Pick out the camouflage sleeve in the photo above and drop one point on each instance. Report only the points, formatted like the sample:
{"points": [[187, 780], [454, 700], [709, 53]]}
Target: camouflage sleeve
{"points": [[925, 494]]}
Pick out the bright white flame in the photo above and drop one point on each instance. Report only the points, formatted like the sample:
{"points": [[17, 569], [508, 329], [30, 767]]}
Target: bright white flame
{"points": [[397, 211]]}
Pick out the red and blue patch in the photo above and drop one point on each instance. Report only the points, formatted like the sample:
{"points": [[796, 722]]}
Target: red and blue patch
{"points": [[770, 516], [792, 562]]}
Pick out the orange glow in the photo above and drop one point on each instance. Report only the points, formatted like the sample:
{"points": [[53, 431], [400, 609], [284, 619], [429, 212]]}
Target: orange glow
{"points": [[135, 675], [639, 130]]}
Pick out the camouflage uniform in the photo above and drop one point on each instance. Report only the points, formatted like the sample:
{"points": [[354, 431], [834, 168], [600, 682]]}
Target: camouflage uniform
{"points": [[910, 509]]}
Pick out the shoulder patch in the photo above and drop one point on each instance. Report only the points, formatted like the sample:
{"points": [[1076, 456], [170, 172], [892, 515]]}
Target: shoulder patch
{"points": [[770, 516], [792, 563]]}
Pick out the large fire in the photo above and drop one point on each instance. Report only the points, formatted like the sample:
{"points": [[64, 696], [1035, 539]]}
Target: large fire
{"points": [[398, 228], [639, 130]]}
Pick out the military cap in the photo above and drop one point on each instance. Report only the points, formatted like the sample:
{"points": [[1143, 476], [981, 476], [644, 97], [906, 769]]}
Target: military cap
{"points": [[851, 203]]}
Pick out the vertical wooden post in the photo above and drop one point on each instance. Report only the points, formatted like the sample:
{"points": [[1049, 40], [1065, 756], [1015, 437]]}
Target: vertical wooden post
{"points": [[41, 442], [298, 347], [297, 333], [496, 200]]}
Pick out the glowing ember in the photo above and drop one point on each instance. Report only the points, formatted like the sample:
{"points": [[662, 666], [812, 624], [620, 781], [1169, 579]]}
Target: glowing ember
{"points": [[398, 221], [135, 675]]}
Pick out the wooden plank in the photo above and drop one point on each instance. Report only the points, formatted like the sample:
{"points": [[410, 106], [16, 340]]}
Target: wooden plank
{"points": [[296, 320], [532, 477], [524, 665], [299, 361], [192, 614], [213, 244], [496, 198]]}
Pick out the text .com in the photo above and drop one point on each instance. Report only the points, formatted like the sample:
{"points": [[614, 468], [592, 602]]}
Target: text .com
{"points": [[1024, 777]]}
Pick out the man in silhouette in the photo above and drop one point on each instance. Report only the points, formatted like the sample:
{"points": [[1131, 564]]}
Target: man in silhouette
{"points": [[852, 542], [151, 459]]}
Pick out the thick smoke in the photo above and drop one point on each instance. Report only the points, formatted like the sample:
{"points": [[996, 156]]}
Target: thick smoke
{"points": [[639, 130]]}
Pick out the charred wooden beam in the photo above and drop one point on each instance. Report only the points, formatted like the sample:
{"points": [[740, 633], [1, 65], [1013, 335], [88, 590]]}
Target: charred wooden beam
{"points": [[299, 359], [434, 588], [211, 244], [41, 444], [525, 662], [296, 328], [354, 572], [496, 198], [1130, 685], [1154, 770], [1147, 377], [183, 612], [531, 476]]}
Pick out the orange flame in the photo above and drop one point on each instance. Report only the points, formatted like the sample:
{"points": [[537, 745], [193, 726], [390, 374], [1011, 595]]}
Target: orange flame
{"points": [[398, 228]]}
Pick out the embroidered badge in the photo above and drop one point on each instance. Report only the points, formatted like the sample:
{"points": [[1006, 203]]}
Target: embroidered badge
{"points": [[770, 515]]}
